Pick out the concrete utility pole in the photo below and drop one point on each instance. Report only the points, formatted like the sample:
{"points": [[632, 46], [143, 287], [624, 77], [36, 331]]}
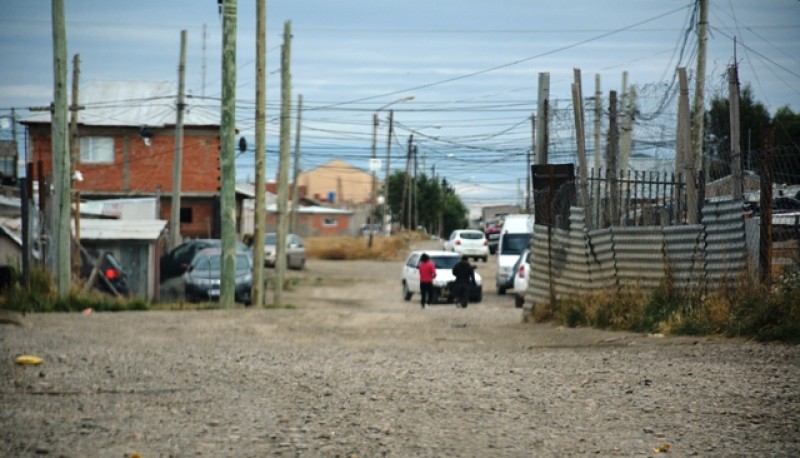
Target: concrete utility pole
{"points": [[374, 179], [283, 172], [685, 148], [177, 161], [75, 154], [543, 115], [611, 158], [228, 154], [528, 184], [386, 214], [598, 114], [626, 126], [60, 151], [577, 103], [405, 183], [259, 231], [736, 147], [700, 84], [296, 171]]}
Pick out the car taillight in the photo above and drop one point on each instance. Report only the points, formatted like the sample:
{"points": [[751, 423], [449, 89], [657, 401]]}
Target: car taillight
{"points": [[112, 274], [521, 272], [485, 242], [458, 242]]}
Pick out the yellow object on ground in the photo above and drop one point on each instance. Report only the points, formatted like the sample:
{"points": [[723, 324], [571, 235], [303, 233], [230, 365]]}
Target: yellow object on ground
{"points": [[29, 360]]}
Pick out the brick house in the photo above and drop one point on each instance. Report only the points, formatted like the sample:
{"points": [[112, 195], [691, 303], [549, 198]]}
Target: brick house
{"points": [[127, 144]]}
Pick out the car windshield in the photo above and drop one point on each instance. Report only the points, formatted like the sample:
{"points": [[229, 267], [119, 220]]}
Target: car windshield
{"points": [[515, 243], [445, 262], [271, 239], [472, 235], [214, 262]]}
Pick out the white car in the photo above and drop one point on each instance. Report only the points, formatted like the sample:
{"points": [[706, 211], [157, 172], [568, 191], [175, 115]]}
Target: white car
{"points": [[443, 283], [468, 242], [295, 251], [521, 277]]}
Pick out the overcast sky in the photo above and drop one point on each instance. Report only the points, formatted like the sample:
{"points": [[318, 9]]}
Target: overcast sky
{"points": [[472, 67]]}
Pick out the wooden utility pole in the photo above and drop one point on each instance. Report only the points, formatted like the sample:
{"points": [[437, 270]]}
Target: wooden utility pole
{"points": [[177, 161], [374, 180], [736, 147], [60, 151], [75, 154], [387, 217], [228, 154], [543, 115], [577, 103], [598, 152], [415, 192], [259, 229], [699, 89], [611, 158], [528, 171], [685, 148], [626, 125], [283, 172], [296, 167]]}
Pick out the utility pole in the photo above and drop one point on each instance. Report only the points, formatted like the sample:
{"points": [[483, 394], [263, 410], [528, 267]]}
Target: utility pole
{"points": [[283, 172], [405, 183], [414, 190], [296, 171], [227, 154], [259, 231], [699, 90], [543, 115], [528, 199], [387, 217], [577, 103], [736, 147], [613, 148], [598, 114], [177, 161], [685, 144], [373, 170], [60, 152], [75, 154]]}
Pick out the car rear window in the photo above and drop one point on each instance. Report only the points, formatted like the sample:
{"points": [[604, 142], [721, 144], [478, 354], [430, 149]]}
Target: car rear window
{"points": [[445, 262], [472, 235]]}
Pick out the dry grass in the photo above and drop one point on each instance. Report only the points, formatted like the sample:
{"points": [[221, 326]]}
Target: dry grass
{"points": [[352, 248]]}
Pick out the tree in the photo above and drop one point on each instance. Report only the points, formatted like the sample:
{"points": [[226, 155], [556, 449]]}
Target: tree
{"points": [[754, 125], [440, 209], [785, 146]]}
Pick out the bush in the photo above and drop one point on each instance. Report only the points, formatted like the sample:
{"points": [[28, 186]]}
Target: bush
{"points": [[351, 248]]}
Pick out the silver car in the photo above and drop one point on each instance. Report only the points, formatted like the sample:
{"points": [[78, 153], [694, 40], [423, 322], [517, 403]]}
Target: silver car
{"points": [[295, 251]]}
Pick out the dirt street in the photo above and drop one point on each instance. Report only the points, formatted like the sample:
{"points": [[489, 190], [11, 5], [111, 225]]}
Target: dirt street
{"points": [[352, 370]]}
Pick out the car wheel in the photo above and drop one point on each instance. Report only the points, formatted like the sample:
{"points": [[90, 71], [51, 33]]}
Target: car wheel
{"points": [[478, 297], [485, 258], [501, 290], [492, 250], [406, 293], [519, 301]]}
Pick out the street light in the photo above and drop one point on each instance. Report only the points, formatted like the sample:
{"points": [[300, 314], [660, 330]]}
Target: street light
{"points": [[374, 158]]}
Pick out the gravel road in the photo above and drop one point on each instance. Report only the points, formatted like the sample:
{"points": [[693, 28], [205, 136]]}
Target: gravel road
{"points": [[352, 370]]}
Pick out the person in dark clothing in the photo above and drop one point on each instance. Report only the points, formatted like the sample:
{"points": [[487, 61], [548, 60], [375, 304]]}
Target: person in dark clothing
{"points": [[465, 280], [427, 272]]}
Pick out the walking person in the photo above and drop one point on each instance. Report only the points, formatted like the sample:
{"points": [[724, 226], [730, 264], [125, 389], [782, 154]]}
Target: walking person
{"points": [[427, 272], [465, 280]]}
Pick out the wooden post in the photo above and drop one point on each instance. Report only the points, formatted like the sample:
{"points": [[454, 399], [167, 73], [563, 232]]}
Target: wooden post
{"points": [[177, 160], [283, 172], [736, 147], [259, 293], [227, 154], [611, 157], [577, 103]]}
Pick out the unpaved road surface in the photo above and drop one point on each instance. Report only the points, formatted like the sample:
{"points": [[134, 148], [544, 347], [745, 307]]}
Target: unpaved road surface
{"points": [[354, 371]]}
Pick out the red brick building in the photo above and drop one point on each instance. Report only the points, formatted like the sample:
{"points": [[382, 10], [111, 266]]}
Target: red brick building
{"points": [[127, 140]]}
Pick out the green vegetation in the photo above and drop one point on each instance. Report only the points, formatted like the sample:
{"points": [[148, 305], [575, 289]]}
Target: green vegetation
{"points": [[742, 310]]}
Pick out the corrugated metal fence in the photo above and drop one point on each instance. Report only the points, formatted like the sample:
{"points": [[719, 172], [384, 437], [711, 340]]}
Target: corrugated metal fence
{"points": [[576, 262]]}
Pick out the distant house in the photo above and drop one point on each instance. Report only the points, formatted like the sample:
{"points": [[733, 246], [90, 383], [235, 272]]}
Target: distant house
{"points": [[338, 182], [127, 146]]}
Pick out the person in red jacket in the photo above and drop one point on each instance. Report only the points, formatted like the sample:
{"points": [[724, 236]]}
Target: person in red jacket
{"points": [[427, 272]]}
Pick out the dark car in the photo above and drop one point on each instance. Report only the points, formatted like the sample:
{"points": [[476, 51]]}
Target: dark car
{"points": [[175, 263], [492, 230], [203, 276], [110, 273]]}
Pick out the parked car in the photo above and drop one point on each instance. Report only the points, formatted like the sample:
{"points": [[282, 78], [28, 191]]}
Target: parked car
{"points": [[175, 263], [523, 272], [376, 229], [491, 229], [468, 242], [295, 250], [443, 283], [514, 239], [203, 277], [110, 273]]}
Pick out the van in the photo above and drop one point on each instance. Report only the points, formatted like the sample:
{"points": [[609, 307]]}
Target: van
{"points": [[515, 237]]}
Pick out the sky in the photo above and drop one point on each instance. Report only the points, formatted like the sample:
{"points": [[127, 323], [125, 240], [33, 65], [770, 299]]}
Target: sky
{"points": [[472, 68]]}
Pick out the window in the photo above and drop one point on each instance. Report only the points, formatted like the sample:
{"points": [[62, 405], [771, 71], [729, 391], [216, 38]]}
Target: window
{"points": [[97, 150], [329, 222], [186, 214]]}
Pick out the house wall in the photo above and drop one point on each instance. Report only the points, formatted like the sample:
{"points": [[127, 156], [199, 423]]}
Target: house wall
{"points": [[314, 225], [204, 224], [138, 167], [347, 183]]}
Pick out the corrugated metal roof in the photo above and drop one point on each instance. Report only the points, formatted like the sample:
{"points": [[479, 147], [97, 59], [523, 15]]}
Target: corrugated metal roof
{"points": [[135, 103], [112, 229]]}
